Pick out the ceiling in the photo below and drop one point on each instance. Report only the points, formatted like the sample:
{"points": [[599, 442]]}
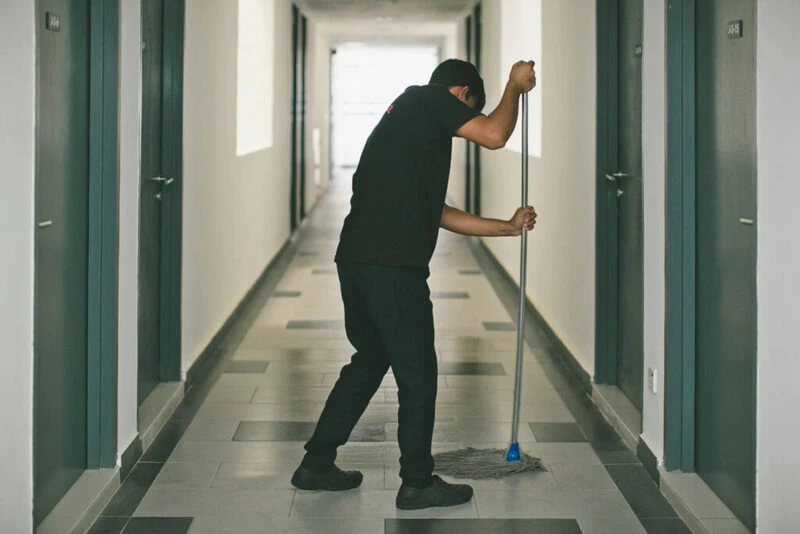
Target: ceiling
{"points": [[387, 10]]}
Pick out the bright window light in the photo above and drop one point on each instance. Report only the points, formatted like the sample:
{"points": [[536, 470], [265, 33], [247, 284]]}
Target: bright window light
{"points": [[522, 40], [255, 69], [366, 79]]}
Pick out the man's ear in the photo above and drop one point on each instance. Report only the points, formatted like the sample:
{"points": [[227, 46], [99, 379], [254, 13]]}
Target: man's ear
{"points": [[463, 94]]}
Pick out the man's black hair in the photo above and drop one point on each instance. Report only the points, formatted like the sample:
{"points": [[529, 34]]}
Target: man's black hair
{"points": [[455, 72]]}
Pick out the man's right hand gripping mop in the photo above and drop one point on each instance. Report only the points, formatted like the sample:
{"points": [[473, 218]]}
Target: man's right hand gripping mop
{"points": [[499, 463]]}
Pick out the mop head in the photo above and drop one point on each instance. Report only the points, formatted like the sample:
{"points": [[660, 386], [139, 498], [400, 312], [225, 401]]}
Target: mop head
{"points": [[483, 463]]}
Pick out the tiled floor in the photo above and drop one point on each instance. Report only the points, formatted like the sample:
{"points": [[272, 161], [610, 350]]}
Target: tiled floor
{"points": [[223, 462]]}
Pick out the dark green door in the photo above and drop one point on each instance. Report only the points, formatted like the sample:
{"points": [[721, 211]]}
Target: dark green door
{"points": [[150, 203], [726, 252], [628, 182], [62, 248]]}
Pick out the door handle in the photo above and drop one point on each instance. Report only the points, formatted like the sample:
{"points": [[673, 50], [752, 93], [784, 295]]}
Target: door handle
{"points": [[748, 222], [44, 224], [162, 180], [614, 176]]}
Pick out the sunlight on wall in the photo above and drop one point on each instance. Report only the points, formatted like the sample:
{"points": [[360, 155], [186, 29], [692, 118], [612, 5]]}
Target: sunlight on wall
{"points": [[255, 71], [366, 79], [522, 40]]}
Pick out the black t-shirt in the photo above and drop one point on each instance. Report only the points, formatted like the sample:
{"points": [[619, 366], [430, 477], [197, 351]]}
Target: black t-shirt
{"points": [[400, 184]]}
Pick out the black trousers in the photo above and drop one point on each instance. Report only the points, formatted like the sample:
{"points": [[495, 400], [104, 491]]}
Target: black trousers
{"points": [[389, 322]]}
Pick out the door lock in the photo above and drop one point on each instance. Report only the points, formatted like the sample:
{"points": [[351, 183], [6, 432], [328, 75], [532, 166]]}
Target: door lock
{"points": [[162, 180], [619, 193], [158, 197]]}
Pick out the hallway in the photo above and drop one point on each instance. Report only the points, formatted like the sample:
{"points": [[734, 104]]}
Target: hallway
{"points": [[224, 460]]}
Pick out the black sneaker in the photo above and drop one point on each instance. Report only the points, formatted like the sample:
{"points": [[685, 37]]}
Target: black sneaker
{"points": [[333, 480], [437, 493]]}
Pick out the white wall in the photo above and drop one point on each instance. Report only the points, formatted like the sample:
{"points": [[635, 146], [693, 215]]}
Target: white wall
{"points": [[778, 266], [236, 209], [16, 264], [129, 156], [654, 125], [318, 113], [457, 187], [562, 247]]}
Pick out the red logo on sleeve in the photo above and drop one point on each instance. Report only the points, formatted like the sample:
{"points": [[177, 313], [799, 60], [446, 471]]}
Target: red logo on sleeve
{"points": [[389, 110]]}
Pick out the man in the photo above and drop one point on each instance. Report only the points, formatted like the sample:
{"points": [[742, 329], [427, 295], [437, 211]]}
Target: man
{"points": [[397, 208]]}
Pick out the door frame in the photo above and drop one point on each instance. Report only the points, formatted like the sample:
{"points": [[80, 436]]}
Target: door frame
{"points": [[103, 265], [606, 204], [681, 228], [172, 200]]}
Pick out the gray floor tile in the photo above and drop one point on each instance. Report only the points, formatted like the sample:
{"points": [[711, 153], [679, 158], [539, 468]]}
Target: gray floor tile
{"points": [[108, 525], [286, 294], [470, 272], [187, 474], [315, 325], [499, 327], [589, 477], [244, 524], [482, 526], [168, 502], [627, 524], [300, 431], [665, 526], [641, 492], [264, 476], [578, 504], [323, 271], [246, 367], [158, 525], [449, 295], [471, 368], [557, 432], [367, 504]]}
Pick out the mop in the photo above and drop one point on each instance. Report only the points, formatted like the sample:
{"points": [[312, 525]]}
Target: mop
{"points": [[498, 463]]}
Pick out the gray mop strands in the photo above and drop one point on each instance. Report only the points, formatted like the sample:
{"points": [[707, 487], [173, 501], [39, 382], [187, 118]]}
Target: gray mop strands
{"points": [[483, 463], [495, 463]]}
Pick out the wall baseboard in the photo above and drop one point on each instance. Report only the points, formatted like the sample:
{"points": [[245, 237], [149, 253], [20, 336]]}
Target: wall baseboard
{"points": [[130, 456]]}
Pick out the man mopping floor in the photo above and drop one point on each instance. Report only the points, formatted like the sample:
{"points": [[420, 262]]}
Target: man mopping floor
{"points": [[388, 239]]}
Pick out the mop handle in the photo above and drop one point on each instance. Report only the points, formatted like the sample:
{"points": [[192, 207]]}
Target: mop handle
{"points": [[523, 272]]}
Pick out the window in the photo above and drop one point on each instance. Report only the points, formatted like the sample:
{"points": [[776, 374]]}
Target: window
{"points": [[255, 70]]}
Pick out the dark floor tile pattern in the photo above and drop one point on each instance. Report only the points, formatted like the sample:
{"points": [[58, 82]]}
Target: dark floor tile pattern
{"points": [[449, 295], [164, 444], [557, 433], [617, 457], [665, 526], [307, 253], [246, 367], [323, 271], [301, 431], [481, 526], [158, 525], [470, 272], [499, 327], [315, 325], [640, 491], [108, 525], [130, 494], [287, 294], [471, 368]]}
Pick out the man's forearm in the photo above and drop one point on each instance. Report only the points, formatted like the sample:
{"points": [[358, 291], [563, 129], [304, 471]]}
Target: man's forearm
{"points": [[505, 114], [465, 223]]}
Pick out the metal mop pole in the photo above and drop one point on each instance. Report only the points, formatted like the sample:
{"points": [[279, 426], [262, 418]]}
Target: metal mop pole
{"points": [[513, 451]]}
